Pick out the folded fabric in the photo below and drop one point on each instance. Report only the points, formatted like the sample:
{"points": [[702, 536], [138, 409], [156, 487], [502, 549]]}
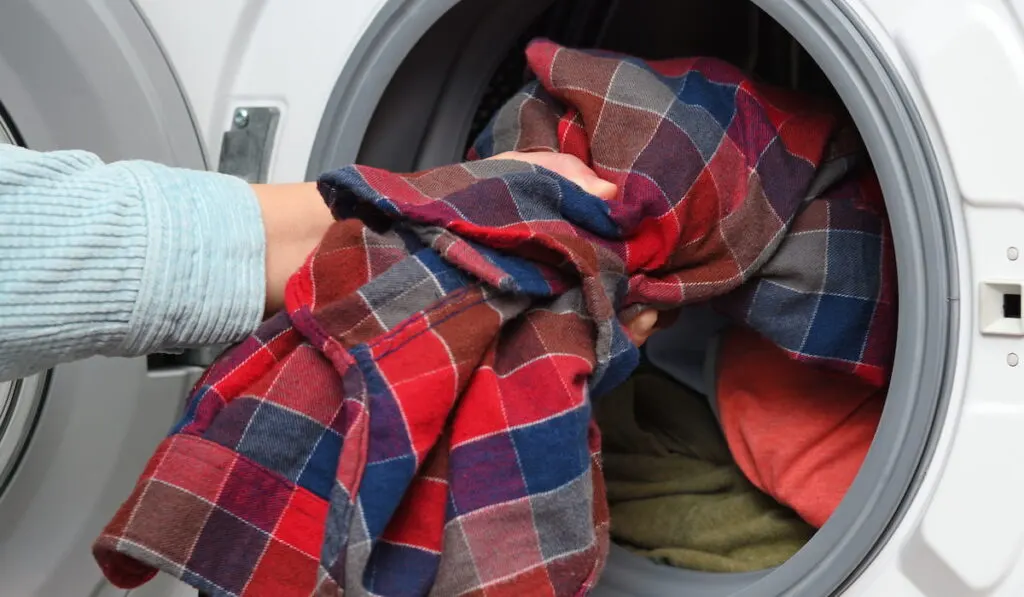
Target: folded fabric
{"points": [[798, 432], [674, 492], [418, 421]]}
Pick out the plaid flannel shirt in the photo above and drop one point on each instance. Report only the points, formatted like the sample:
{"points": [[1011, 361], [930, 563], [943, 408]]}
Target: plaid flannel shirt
{"points": [[418, 421]]}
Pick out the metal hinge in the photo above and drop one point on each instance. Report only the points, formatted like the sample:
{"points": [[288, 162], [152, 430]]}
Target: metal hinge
{"points": [[245, 149]]}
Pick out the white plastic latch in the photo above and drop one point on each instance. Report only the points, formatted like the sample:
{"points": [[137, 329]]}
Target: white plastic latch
{"points": [[1001, 308]]}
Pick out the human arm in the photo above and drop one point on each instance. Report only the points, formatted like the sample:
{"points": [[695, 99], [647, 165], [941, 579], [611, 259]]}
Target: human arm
{"points": [[129, 258], [645, 323], [296, 218], [122, 259]]}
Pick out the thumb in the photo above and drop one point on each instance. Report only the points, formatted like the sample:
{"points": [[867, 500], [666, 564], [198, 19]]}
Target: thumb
{"points": [[598, 187], [642, 326], [567, 166]]}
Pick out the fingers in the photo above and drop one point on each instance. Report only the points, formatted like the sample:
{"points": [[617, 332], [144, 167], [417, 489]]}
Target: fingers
{"points": [[643, 326], [572, 168], [569, 167]]}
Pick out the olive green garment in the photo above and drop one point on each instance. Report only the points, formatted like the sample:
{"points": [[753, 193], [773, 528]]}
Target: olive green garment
{"points": [[676, 495]]}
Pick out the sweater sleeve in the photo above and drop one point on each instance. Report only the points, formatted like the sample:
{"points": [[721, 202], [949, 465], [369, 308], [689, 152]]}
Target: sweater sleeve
{"points": [[121, 259]]}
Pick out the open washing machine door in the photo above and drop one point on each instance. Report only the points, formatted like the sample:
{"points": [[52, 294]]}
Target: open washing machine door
{"points": [[82, 75], [404, 84]]}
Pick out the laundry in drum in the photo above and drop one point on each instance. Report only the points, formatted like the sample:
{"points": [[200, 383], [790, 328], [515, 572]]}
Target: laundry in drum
{"points": [[801, 438], [419, 420], [675, 494]]}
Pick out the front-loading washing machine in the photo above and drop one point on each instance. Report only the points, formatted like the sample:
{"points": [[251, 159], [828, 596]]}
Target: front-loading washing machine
{"points": [[281, 90]]}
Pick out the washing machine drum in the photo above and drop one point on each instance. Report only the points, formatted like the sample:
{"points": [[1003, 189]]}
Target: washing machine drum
{"points": [[418, 103]]}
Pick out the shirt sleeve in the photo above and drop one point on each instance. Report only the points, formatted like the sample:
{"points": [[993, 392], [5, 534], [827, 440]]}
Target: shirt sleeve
{"points": [[122, 259]]}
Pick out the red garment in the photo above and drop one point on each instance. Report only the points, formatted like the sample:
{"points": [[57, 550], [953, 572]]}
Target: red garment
{"points": [[800, 433], [418, 422]]}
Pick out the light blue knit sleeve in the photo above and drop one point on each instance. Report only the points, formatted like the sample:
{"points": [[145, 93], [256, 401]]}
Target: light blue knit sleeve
{"points": [[121, 259]]}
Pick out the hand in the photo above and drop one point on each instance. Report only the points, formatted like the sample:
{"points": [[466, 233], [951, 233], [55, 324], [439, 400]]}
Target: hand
{"points": [[295, 219], [572, 168], [567, 166]]}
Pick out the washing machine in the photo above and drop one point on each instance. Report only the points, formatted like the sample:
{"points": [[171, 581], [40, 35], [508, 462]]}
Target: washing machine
{"points": [[281, 90]]}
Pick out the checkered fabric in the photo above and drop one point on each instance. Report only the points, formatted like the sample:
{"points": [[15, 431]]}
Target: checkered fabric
{"points": [[418, 421], [827, 296]]}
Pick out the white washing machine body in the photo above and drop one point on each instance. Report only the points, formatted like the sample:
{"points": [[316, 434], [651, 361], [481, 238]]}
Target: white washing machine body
{"points": [[280, 90]]}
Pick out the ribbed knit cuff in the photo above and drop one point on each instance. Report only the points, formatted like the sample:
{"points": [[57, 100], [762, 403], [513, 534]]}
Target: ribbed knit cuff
{"points": [[204, 276], [121, 259]]}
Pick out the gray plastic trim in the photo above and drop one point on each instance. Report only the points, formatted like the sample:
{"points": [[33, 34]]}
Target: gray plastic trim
{"points": [[90, 75], [905, 157]]}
